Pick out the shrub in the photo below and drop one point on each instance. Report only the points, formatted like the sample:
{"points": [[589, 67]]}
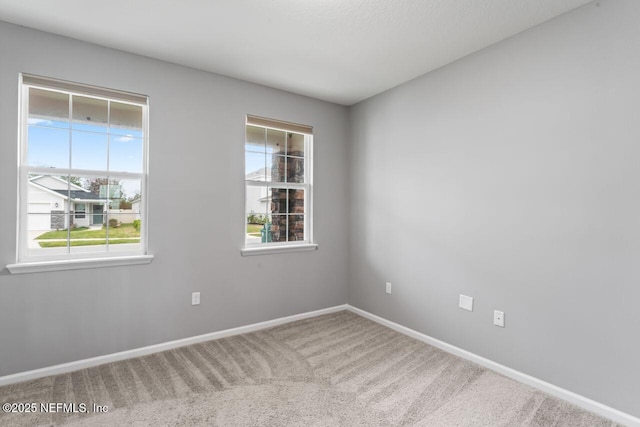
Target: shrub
{"points": [[113, 223], [252, 218], [136, 224]]}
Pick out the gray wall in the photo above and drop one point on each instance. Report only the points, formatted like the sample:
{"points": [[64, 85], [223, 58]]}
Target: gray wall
{"points": [[513, 176], [196, 204]]}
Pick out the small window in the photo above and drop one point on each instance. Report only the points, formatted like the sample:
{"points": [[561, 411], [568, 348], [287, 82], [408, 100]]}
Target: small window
{"points": [[81, 210], [278, 191], [83, 157]]}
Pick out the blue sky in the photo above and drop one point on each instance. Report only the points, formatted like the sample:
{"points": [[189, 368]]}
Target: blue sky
{"points": [[49, 142]]}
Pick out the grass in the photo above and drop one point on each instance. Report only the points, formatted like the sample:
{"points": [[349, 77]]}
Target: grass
{"points": [[125, 230], [59, 244], [254, 229]]}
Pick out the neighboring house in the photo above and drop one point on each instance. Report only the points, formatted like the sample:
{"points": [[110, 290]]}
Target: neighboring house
{"points": [[135, 204], [126, 216], [257, 197], [50, 198]]}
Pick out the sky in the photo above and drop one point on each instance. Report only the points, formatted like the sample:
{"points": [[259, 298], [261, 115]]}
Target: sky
{"points": [[49, 143]]}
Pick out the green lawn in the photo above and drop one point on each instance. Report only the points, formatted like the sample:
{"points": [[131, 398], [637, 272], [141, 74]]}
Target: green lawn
{"points": [[125, 230], [60, 244], [254, 229]]}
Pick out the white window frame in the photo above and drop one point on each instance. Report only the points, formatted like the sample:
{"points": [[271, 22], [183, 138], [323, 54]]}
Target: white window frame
{"points": [[79, 214], [26, 263], [307, 186]]}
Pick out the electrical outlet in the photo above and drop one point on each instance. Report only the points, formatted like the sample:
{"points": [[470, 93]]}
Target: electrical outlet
{"points": [[465, 302], [498, 318], [195, 298], [389, 288]]}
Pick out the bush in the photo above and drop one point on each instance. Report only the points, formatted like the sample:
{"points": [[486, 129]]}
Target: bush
{"points": [[252, 218], [136, 224], [113, 223]]}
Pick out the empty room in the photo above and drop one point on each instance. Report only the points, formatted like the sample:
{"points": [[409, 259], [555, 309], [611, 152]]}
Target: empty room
{"points": [[320, 212]]}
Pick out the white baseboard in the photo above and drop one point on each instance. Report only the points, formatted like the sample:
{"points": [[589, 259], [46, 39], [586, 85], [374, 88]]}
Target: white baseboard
{"points": [[560, 393], [576, 399], [142, 351]]}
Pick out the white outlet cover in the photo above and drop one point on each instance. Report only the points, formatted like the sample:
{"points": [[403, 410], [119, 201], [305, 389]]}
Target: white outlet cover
{"points": [[195, 298], [388, 287], [498, 318], [466, 302]]}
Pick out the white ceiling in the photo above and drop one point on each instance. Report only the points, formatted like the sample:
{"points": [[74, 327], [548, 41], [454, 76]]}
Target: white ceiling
{"points": [[341, 51]]}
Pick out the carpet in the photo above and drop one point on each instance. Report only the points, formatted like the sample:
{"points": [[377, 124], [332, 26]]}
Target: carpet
{"points": [[333, 370]]}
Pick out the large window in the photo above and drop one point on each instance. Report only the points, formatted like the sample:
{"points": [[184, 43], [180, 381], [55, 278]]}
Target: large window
{"points": [[278, 183], [82, 172]]}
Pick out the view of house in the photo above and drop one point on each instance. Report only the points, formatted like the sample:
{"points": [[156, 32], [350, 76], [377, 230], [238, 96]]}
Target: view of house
{"points": [[51, 197]]}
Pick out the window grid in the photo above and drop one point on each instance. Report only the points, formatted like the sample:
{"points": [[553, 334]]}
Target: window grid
{"points": [[286, 183], [28, 171]]}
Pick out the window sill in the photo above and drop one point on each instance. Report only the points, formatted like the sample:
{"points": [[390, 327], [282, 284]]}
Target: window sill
{"points": [[278, 249], [77, 264]]}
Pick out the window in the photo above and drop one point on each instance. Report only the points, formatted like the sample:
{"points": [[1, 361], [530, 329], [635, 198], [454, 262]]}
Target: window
{"points": [[82, 160], [80, 210], [278, 190]]}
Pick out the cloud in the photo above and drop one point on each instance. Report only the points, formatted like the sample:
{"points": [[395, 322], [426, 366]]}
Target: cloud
{"points": [[126, 138], [33, 121]]}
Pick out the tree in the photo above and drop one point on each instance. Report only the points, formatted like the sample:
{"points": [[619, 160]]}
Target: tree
{"points": [[73, 179], [95, 184]]}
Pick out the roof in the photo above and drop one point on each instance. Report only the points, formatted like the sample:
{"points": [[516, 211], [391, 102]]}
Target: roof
{"points": [[80, 195], [71, 184]]}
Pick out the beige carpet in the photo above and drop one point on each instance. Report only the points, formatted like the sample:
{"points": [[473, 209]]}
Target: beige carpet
{"points": [[332, 370]]}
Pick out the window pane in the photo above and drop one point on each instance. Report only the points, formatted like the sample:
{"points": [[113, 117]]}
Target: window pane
{"points": [[123, 230], [277, 165], [122, 193], [279, 228], [86, 190], [275, 141], [47, 233], [295, 169], [255, 167], [47, 194], [278, 200], [48, 147], [80, 211], [87, 210], [296, 201], [40, 223], [255, 139], [295, 228], [295, 145], [47, 108], [283, 154], [90, 114], [257, 203], [125, 154], [126, 119], [88, 150]]}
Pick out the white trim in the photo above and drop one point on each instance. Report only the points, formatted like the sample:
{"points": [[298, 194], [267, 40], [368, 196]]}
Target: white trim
{"points": [[275, 184], [69, 183], [142, 351], [292, 246], [576, 399], [53, 172], [26, 263], [77, 264], [48, 190], [553, 390], [267, 250], [65, 86]]}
